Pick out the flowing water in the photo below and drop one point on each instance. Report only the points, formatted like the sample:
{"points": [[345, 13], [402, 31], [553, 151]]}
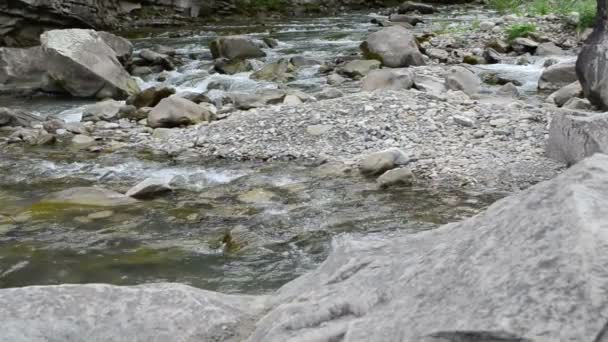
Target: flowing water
{"points": [[232, 227]]}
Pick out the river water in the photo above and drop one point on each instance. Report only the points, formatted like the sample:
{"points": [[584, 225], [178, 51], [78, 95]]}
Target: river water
{"points": [[231, 227]]}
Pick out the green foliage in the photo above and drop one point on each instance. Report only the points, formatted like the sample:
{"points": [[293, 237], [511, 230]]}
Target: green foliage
{"points": [[585, 8], [587, 11], [506, 6], [520, 30], [539, 7]]}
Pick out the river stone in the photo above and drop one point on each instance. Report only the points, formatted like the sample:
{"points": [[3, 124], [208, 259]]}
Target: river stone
{"points": [[574, 136], [548, 49], [439, 54], [508, 89], [430, 84], [260, 98], [144, 313], [529, 268], [150, 187], [318, 129], [421, 8], [379, 162], [524, 45], [400, 18], [157, 59], [235, 47], [104, 110], [576, 103], [394, 47], [150, 97], [89, 196], [32, 136], [82, 141], [557, 76], [328, 94], [175, 111], [231, 67], [292, 100], [393, 79], [591, 66], [17, 118], [122, 47], [461, 78], [85, 66], [18, 66], [335, 79], [561, 96], [359, 68], [499, 45], [279, 71], [396, 177]]}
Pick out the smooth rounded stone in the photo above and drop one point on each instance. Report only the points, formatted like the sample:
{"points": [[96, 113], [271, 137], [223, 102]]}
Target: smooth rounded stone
{"points": [[143, 313], [292, 100], [328, 94], [591, 66], [175, 111], [150, 97], [335, 79], [461, 78], [548, 49], [17, 118], [396, 177], [508, 89], [421, 8], [563, 95], [486, 26], [141, 71], [393, 79], [394, 47], [301, 61], [438, 54], [195, 97], [318, 129], [53, 125], [557, 76], [499, 122], [576, 103], [235, 47], [231, 67], [492, 56], [76, 128], [84, 65], [379, 162], [104, 110], [150, 187], [524, 45], [89, 196], [359, 68], [429, 84], [512, 264], [279, 71], [82, 141], [271, 42], [155, 58], [465, 121]]}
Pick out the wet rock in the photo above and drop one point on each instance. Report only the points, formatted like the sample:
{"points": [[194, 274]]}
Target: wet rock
{"points": [[328, 94], [53, 125], [122, 47], [524, 45], [195, 97], [380, 162], [270, 42], [150, 97], [492, 56], [258, 99], [591, 66], [335, 79], [410, 287], [396, 177], [473, 60], [104, 110], [359, 68], [557, 76], [17, 118], [496, 79], [394, 79], [141, 71], [548, 49], [460, 78], [90, 196], [32, 136], [165, 50], [508, 89], [231, 67], [169, 312], [85, 66], [279, 71], [576, 103], [574, 136], [400, 18], [301, 61], [258, 196], [176, 111], [394, 47], [155, 58], [76, 127], [82, 141], [563, 95], [150, 187], [235, 47], [408, 7]]}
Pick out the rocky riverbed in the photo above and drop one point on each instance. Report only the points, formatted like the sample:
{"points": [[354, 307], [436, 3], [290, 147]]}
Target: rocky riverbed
{"points": [[237, 156]]}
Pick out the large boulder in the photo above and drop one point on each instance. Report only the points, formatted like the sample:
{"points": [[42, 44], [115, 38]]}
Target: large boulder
{"points": [[18, 66], [564, 94], [394, 47], [574, 136], [145, 313], [557, 76], [104, 110], [592, 66], [17, 118], [461, 78], [84, 65], [175, 111], [388, 79], [529, 268], [235, 47]]}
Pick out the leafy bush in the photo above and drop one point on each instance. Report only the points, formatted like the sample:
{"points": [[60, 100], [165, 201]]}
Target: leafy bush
{"points": [[506, 6], [520, 30]]}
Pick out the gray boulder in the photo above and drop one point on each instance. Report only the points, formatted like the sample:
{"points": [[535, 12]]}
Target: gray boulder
{"points": [[576, 103], [390, 79], [524, 45], [153, 58], [175, 111], [18, 66], [396, 177], [85, 66], [591, 66], [548, 49], [557, 76], [150, 187], [574, 136], [409, 6], [561, 96], [17, 118], [379, 162], [508, 89], [529, 268], [260, 98], [104, 110], [145, 313], [279, 71], [122, 47], [235, 47], [429, 84], [150, 97], [461, 78], [359, 68], [394, 47]]}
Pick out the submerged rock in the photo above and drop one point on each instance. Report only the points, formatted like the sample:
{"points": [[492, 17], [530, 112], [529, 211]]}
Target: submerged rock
{"points": [[144, 313], [85, 66], [394, 47], [90, 196], [527, 269]]}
